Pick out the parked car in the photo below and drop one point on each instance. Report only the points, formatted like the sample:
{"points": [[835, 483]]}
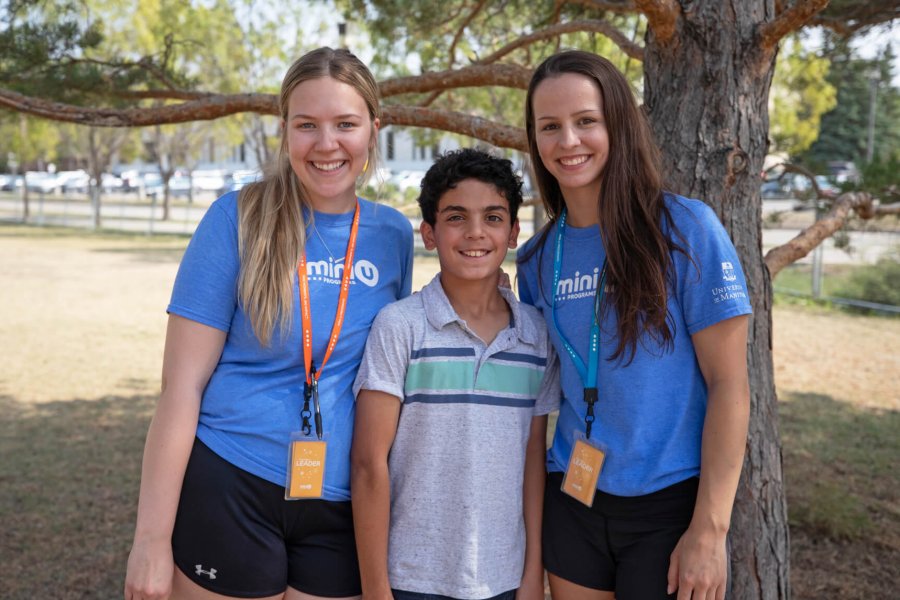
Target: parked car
{"points": [[237, 180], [804, 198], [42, 182], [408, 179], [132, 180], [842, 171], [828, 188], [111, 183], [208, 180], [179, 186], [775, 189], [10, 183]]}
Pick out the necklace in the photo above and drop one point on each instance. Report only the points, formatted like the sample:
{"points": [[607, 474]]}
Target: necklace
{"points": [[321, 239]]}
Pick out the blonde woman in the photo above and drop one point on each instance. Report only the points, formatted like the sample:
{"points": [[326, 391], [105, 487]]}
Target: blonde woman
{"points": [[245, 480]]}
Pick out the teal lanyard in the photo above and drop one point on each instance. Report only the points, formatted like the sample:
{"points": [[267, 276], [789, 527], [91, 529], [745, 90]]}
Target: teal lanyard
{"points": [[587, 373]]}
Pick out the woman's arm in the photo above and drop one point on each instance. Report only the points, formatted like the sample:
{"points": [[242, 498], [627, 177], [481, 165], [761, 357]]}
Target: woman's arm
{"points": [[377, 415], [191, 353], [698, 563], [532, 586]]}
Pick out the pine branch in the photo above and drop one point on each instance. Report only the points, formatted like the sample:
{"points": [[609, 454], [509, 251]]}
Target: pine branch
{"points": [[789, 20], [662, 16], [861, 202], [503, 75], [592, 25], [621, 7], [452, 50], [503, 136]]}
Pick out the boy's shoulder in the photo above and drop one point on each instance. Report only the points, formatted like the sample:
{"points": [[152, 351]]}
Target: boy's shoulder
{"points": [[526, 311], [407, 309]]}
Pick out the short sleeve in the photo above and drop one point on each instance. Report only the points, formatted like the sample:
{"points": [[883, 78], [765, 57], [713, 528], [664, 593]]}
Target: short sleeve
{"points": [[386, 358], [407, 272], [711, 286], [205, 288], [549, 394]]}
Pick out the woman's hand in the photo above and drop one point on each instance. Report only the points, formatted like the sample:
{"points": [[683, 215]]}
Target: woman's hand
{"points": [[150, 570], [697, 567]]}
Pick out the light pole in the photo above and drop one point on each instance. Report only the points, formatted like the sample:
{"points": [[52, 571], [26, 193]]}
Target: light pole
{"points": [[873, 76]]}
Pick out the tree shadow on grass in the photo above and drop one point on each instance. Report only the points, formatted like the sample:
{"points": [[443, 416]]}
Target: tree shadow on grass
{"points": [[842, 486], [69, 480]]}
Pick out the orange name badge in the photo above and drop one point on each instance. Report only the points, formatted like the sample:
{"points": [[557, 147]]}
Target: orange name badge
{"points": [[306, 470], [584, 469]]}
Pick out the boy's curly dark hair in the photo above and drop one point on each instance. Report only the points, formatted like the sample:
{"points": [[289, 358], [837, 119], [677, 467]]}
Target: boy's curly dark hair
{"points": [[468, 163]]}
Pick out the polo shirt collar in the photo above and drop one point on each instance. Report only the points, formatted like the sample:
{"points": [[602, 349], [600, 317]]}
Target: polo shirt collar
{"points": [[439, 312]]}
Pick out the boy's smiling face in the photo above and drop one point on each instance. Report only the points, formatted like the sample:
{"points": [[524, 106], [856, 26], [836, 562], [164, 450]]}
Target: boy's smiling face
{"points": [[472, 231]]}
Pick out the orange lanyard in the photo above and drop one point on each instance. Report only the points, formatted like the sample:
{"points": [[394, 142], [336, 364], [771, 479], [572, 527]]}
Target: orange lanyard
{"points": [[312, 375]]}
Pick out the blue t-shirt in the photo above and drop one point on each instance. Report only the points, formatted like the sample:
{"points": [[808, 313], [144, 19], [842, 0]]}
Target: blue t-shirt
{"points": [[253, 399], [649, 415]]}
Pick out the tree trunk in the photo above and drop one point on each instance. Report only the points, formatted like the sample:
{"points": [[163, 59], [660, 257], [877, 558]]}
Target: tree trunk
{"points": [[26, 205], [706, 90], [96, 167], [94, 192], [167, 201], [23, 133]]}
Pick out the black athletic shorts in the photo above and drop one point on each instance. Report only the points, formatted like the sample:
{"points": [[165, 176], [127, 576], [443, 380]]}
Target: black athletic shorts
{"points": [[236, 535], [619, 544]]}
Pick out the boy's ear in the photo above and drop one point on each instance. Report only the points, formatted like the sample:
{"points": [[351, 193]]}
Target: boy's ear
{"points": [[514, 234], [427, 232]]}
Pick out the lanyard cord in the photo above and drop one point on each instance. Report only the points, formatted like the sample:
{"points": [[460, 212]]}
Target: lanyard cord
{"points": [[588, 373], [311, 389]]}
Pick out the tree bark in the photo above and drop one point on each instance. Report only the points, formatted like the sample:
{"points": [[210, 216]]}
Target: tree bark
{"points": [[706, 88]]}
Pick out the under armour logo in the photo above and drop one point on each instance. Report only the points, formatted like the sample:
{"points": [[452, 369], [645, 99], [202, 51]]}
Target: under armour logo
{"points": [[211, 572]]}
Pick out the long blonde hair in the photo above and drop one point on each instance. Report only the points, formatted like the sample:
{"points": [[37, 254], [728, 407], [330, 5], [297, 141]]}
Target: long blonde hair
{"points": [[271, 226]]}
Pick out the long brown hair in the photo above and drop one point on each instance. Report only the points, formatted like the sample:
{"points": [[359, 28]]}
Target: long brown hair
{"points": [[271, 226], [631, 205]]}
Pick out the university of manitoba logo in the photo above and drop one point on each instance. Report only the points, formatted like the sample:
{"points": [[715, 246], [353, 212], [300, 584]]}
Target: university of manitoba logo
{"points": [[728, 272], [211, 573], [331, 270]]}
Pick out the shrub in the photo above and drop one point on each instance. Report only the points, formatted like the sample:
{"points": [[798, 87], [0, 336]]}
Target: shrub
{"points": [[876, 283]]}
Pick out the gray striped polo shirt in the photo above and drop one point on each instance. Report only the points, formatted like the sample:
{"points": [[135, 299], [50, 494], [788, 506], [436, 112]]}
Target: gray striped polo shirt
{"points": [[457, 461]]}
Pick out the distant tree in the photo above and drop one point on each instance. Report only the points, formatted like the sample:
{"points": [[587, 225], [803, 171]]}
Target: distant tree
{"points": [[843, 134], [800, 95], [31, 143]]}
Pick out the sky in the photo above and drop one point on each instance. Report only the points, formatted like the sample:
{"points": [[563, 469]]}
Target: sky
{"points": [[869, 45]]}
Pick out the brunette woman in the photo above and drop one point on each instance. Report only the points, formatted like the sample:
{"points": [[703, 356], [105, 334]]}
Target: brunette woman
{"points": [[647, 306]]}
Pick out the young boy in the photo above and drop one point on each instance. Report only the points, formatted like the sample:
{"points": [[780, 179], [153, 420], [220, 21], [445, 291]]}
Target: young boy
{"points": [[456, 382]]}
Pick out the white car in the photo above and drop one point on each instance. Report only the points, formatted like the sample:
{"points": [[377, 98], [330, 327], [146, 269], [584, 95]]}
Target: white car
{"points": [[42, 182], [408, 179], [208, 180]]}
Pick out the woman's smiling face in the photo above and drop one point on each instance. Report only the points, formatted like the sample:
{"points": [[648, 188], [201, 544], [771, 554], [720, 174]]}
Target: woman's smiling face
{"points": [[571, 133], [329, 134]]}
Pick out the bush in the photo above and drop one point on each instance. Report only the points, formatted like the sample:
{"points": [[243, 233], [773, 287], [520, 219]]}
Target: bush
{"points": [[876, 283]]}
